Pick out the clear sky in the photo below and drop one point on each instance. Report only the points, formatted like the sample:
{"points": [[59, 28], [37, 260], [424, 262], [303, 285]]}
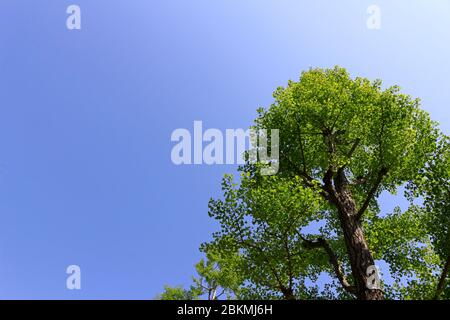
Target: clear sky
{"points": [[86, 117]]}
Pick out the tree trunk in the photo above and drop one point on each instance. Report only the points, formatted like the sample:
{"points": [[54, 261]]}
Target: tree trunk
{"points": [[443, 277], [288, 294], [360, 257], [357, 249]]}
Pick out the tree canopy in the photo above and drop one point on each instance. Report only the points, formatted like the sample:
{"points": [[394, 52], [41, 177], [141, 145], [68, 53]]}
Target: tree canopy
{"points": [[342, 142]]}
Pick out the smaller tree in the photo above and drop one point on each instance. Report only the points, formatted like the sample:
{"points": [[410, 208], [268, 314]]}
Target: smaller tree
{"points": [[178, 293], [216, 278]]}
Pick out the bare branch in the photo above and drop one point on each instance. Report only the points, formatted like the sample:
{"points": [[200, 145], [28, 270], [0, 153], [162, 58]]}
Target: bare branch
{"points": [[322, 243]]}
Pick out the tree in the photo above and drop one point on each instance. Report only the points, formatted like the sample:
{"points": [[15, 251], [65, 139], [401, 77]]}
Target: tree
{"points": [[434, 186], [178, 293], [354, 140], [216, 278], [342, 142]]}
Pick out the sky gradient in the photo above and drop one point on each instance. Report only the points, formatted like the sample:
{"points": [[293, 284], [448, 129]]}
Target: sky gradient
{"points": [[86, 118]]}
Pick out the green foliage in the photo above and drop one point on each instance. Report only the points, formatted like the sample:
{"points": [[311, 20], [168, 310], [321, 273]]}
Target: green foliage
{"points": [[390, 129], [378, 140], [217, 278], [178, 293], [260, 223], [401, 239], [433, 184]]}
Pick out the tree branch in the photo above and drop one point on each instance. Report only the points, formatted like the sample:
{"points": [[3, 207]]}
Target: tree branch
{"points": [[352, 150], [329, 192], [289, 260], [359, 181], [372, 193], [441, 284], [249, 243], [322, 243], [327, 180]]}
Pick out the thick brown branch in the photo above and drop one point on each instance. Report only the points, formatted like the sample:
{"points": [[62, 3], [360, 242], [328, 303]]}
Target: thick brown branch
{"points": [[359, 181], [322, 243], [329, 192], [371, 193], [327, 180], [441, 284], [352, 150], [340, 181]]}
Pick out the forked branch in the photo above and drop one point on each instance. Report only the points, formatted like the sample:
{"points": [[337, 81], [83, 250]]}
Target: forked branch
{"points": [[322, 243]]}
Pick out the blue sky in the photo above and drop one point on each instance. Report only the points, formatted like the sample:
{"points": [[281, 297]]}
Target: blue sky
{"points": [[86, 117]]}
